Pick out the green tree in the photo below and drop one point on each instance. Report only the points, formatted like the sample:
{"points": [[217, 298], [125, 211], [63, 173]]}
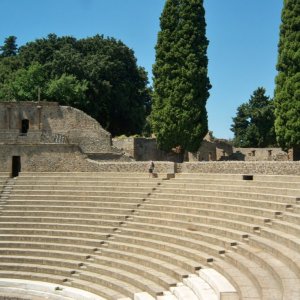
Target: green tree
{"points": [[287, 91], [68, 90], [181, 84], [10, 47], [103, 71], [253, 125], [24, 84]]}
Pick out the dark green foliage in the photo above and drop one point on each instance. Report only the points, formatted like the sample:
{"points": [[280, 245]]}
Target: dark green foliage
{"points": [[10, 47], [287, 92], [253, 125], [181, 84], [98, 75]]}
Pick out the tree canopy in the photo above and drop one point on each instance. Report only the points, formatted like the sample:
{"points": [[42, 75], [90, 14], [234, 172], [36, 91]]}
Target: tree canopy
{"points": [[98, 75], [10, 47], [253, 125], [287, 92], [181, 84]]}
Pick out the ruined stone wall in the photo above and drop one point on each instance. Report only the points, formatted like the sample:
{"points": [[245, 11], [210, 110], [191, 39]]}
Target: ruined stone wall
{"points": [[126, 144], [259, 154], [239, 167], [143, 149], [206, 152], [67, 158], [78, 127], [52, 123]]}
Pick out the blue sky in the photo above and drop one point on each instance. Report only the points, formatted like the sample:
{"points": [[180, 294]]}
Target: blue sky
{"points": [[243, 37]]}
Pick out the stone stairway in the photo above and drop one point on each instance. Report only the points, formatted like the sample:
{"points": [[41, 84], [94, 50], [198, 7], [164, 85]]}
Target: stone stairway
{"points": [[126, 236]]}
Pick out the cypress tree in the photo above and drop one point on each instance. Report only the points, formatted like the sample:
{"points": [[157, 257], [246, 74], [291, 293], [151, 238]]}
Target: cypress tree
{"points": [[181, 84], [287, 91]]}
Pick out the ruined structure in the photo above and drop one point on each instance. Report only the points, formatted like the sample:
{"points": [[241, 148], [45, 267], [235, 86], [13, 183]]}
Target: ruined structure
{"points": [[211, 149], [37, 135]]}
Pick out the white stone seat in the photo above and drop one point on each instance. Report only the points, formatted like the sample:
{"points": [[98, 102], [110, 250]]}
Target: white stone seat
{"points": [[222, 287], [42, 290], [200, 288], [166, 296], [143, 296], [182, 292]]}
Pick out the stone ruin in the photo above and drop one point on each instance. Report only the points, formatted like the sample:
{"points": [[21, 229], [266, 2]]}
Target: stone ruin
{"points": [[37, 135]]}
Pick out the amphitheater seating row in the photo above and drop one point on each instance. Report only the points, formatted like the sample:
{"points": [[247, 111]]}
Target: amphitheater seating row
{"points": [[124, 235]]}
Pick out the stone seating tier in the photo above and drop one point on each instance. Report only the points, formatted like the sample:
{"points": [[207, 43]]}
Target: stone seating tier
{"points": [[120, 235]]}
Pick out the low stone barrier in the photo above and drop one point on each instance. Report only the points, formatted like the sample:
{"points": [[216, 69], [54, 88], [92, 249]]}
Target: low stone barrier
{"points": [[247, 167]]}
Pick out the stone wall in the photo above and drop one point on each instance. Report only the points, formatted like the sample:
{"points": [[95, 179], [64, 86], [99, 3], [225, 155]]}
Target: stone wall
{"points": [[143, 149], [67, 158], [52, 123], [259, 154], [206, 152], [239, 167]]}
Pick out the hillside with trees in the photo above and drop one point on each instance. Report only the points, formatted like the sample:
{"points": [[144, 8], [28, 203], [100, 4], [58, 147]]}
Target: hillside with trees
{"points": [[97, 75]]}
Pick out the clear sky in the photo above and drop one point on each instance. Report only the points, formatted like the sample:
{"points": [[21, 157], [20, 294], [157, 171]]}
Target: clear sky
{"points": [[243, 37]]}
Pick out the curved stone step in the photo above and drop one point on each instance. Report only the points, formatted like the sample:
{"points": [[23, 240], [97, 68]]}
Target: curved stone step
{"points": [[155, 250], [266, 204], [286, 278], [54, 220], [182, 240], [220, 241], [265, 282], [232, 188], [246, 210], [246, 289], [195, 194], [42, 290]]}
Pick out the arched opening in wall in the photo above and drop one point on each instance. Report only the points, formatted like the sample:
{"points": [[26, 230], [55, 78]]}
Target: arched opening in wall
{"points": [[24, 126], [16, 166]]}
